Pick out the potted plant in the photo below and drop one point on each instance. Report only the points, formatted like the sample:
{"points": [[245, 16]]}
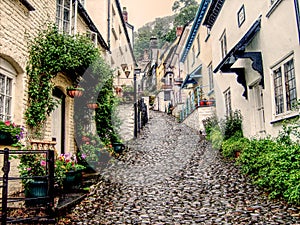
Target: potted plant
{"points": [[10, 133], [33, 169], [75, 91], [91, 105], [68, 171]]}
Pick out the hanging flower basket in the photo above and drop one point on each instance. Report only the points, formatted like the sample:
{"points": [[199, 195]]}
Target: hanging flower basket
{"points": [[74, 91], [92, 105]]}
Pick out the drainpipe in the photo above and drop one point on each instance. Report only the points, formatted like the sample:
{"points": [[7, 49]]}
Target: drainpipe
{"points": [[108, 23]]}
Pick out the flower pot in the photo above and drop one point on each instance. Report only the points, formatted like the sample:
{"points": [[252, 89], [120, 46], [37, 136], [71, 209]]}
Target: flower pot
{"points": [[118, 147], [202, 103], [72, 180], [92, 105], [36, 189], [74, 92], [7, 138]]}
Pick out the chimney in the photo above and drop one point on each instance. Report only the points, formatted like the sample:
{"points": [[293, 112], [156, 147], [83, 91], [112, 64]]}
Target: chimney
{"points": [[153, 42], [125, 14], [179, 31]]}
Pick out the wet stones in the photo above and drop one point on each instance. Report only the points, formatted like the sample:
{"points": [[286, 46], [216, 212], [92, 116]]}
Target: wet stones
{"points": [[169, 176]]}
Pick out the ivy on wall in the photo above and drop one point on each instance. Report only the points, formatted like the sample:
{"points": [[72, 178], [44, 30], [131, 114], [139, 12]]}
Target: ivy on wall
{"points": [[50, 53], [76, 56]]}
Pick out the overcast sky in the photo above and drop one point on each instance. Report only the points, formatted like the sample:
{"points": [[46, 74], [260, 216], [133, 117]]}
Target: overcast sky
{"points": [[141, 12]]}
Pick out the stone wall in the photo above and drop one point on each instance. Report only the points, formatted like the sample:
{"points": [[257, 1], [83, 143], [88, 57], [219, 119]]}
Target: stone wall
{"points": [[194, 120]]}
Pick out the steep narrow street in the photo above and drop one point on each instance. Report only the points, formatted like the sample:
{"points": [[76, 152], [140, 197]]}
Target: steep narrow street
{"points": [[170, 176]]}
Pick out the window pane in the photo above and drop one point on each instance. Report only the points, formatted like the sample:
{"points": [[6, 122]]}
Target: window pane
{"points": [[290, 84]]}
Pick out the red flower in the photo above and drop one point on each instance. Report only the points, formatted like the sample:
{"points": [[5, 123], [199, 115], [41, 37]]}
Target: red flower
{"points": [[7, 123]]}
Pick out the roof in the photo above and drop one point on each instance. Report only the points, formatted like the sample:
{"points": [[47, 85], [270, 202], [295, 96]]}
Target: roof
{"points": [[197, 22]]}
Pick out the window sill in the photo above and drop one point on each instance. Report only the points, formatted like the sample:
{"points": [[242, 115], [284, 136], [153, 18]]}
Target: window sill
{"points": [[273, 7], [286, 117]]}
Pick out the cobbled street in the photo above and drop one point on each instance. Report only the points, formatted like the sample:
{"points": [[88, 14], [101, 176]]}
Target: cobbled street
{"points": [[170, 176]]}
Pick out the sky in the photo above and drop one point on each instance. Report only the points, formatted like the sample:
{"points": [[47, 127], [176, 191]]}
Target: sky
{"points": [[141, 12]]}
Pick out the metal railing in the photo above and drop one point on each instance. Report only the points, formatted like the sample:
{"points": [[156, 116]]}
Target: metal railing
{"points": [[48, 200]]}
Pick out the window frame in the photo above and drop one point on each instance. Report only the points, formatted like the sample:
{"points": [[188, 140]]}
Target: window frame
{"points": [[223, 44], [227, 100], [60, 16], [285, 104], [8, 73]]}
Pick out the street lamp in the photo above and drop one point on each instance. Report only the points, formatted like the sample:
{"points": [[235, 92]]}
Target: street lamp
{"points": [[136, 71]]}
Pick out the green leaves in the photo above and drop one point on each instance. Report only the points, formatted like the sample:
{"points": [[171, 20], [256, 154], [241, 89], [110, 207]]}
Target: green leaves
{"points": [[49, 53]]}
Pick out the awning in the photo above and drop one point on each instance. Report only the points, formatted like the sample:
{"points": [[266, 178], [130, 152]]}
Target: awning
{"points": [[238, 51], [188, 80], [192, 77]]}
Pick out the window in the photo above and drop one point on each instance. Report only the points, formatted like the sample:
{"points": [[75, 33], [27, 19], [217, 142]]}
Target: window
{"points": [[241, 16], [210, 77], [64, 15], [93, 36], [227, 97], [285, 93], [167, 95], [198, 44], [5, 97], [223, 43], [193, 55]]}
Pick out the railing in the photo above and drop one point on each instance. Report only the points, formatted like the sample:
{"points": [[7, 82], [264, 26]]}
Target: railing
{"points": [[189, 109], [48, 203]]}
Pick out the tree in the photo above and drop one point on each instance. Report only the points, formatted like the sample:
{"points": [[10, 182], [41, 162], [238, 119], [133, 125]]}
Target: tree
{"points": [[181, 4]]}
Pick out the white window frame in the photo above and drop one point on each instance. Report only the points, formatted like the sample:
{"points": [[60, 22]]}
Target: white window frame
{"points": [[281, 88], [7, 71], [223, 44], [227, 100], [65, 24], [93, 36], [210, 77]]}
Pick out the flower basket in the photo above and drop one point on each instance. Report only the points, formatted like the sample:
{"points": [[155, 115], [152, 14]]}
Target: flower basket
{"points": [[75, 91], [92, 105], [7, 139]]}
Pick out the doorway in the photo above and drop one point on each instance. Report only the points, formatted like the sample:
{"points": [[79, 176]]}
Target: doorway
{"points": [[58, 121]]}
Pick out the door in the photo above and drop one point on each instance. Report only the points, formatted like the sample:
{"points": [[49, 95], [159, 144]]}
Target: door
{"points": [[259, 115], [58, 121]]}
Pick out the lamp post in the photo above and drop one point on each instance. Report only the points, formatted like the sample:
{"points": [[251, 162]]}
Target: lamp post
{"points": [[136, 71]]}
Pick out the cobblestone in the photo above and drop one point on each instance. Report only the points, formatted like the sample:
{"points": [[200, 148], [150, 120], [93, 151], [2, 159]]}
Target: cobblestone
{"points": [[170, 176]]}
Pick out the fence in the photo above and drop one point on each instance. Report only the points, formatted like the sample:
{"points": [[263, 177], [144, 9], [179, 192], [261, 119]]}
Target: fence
{"points": [[47, 201]]}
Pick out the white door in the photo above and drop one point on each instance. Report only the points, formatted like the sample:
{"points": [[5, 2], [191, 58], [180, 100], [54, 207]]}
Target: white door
{"points": [[259, 114], [57, 127]]}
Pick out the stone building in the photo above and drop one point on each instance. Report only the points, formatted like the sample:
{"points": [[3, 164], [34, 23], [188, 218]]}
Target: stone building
{"points": [[21, 20]]}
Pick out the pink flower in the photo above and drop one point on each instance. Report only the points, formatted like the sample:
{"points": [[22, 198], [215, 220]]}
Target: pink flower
{"points": [[29, 168], [43, 163], [7, 123], [83, 156]]}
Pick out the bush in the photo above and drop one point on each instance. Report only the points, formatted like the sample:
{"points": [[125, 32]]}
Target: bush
{"points": [[210, 124], [232, 125], [233, 145], [216, 137], [273, 166]]}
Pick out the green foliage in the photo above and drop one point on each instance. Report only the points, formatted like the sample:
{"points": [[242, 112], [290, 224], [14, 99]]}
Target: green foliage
{"points": [[274, 166], [178, 5], [210, 123], [216, 138], [232, 125], [49, 53], [233, 145]]}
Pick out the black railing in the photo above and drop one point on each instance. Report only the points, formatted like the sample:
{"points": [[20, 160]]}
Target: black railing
{"points": [[48, 200]]}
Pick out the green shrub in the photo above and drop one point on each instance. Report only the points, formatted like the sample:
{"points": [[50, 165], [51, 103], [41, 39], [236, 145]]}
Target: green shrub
{"points": [[210, 123], [274, 166], [232, 125], [216, 138], [233, 145]]}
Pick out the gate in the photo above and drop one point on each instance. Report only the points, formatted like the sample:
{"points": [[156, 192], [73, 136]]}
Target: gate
{"points": [[47, 207]]}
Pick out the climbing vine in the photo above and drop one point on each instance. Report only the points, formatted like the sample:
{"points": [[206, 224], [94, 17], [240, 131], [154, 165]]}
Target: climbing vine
{"points": [[51, 52]]}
